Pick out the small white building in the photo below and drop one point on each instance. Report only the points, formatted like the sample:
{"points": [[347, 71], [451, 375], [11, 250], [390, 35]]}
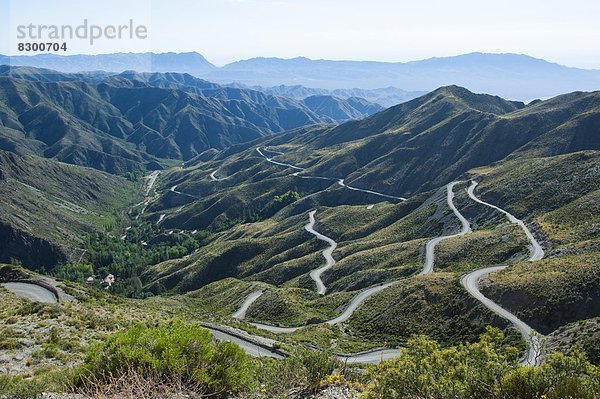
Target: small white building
{"points": [[108, 281]]}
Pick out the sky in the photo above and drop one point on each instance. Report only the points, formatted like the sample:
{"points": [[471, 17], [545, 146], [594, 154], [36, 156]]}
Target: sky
{"points": [[567, 32]]}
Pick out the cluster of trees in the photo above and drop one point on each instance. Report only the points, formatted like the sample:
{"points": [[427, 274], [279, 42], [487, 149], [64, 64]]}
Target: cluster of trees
{"points": [[127, 259], [253, 213]]}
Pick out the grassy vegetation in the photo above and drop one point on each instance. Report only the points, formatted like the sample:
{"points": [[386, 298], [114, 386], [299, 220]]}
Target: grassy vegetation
{"points": [[573, 228], [178, 352], [182, 359], [294, 306], [481, 248], [539, 185], [485, 370], [551, 292], [434, 305], [50, 206], [221, 298]]}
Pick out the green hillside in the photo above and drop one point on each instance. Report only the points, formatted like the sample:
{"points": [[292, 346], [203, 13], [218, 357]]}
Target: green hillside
{"points": [[376, 212], [47, 208]]}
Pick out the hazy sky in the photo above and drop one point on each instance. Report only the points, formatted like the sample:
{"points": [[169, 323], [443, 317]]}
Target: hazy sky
{"points": [[567, 32]]}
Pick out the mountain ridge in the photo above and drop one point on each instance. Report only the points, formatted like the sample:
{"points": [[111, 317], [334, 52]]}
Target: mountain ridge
{"points": [[132, 120], [523, 77]]}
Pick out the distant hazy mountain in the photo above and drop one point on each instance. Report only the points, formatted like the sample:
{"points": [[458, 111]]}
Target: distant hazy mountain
{"points": [[387, 96], [340, 109], [192, 63], [513, 76], [132, 120], [507, 75]]}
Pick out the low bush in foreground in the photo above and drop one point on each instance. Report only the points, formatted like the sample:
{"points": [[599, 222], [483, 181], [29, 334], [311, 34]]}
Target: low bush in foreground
{"points": [[182, 355], [482, 370], [183, 359]]}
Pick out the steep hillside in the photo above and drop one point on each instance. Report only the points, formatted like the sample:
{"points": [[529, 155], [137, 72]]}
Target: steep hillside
{"points": [[538, 162], [132, 121], [431, 140], [47, 207]]}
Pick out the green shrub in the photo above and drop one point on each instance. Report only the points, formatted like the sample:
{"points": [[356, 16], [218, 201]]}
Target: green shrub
{"points": [[302, 371], [74, 271], [482, 370], [317, 365], [179, 352], [10, 345], [17, 386]]}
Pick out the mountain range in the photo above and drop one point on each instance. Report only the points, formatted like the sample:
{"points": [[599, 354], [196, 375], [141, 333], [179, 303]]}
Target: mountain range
{"points": [[387, 96], [126, 121], [512, 76], [379, 189], [283, 222]]}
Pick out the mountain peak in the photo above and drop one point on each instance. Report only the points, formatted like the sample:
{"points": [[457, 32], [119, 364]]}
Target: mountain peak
{"points": [[464, 98]]}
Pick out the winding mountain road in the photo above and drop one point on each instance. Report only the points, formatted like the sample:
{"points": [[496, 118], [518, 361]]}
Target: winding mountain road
{"points": [[327, 253], [277, 162], [250, 299], [213, 176], [471, 283], [358, 300], [430, 247], [248, 345], [354, 304], [33, 292], [174, 190], [251, 346], [371, 357], [536, 250], [339, 181], [151, 179], [364, 295]]}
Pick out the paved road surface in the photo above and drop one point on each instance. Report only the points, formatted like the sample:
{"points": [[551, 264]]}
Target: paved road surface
{"points": [[471, 284], [371, 357], [241, 312], [276, 162], [339, 181], [174, 190], [33, 292], [430, 247], [151, 180], [537, 252], [248, 347], [327, 253], [354, 304], [214, 177], [357, 301]]}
